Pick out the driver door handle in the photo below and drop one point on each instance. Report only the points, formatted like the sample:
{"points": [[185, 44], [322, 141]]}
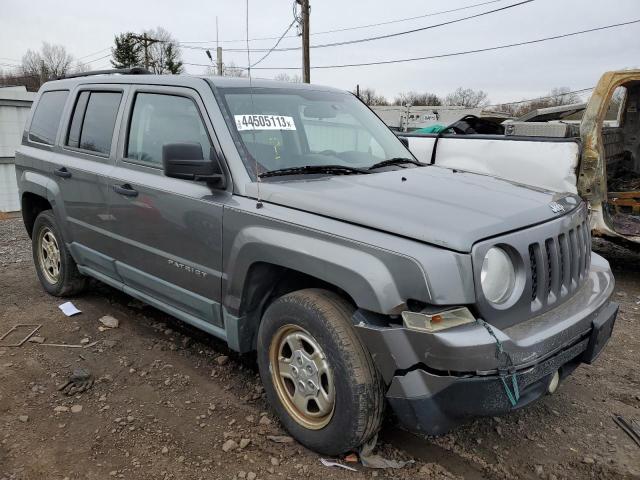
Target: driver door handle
{"points": [[126, 190], [62, 172]]}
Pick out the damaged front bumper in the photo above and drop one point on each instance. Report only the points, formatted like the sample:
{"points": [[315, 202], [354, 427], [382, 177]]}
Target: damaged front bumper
{"points": [[437, 380]]}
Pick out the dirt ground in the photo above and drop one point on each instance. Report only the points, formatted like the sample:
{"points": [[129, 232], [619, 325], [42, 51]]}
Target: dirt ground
{"points": [[168, 398]]}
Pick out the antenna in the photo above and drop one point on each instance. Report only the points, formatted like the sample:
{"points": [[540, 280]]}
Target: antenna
{"points": [[253, 132]]}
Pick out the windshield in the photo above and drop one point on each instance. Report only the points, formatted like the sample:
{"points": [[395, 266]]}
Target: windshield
{"points": [[279, 128]]}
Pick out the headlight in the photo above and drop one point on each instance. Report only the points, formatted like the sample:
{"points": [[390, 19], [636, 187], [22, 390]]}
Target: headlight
{"points": [[498, 276]]}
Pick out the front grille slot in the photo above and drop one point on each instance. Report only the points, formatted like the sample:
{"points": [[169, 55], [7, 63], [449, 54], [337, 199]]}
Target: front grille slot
{"points": [[534, 272], [559, 265], [551, 265], [562, 251]]}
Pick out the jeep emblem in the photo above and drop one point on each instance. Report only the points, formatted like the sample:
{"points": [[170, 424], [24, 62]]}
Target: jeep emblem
{"points": [[556, 207]]}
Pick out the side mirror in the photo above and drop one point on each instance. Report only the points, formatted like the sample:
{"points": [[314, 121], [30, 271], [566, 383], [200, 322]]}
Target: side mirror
{"points": [[186, 161], [404, 141]]}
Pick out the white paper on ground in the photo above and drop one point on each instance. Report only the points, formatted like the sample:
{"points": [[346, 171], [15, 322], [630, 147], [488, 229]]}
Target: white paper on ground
{"points": [[328, 463], [68, 309]]}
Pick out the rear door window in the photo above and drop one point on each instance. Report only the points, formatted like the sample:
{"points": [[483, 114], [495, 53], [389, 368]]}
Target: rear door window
{"points": [[93, 121], [46, 118]]}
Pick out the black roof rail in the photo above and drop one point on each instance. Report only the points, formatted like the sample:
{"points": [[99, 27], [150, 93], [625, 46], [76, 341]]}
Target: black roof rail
{"points": [[120, 71]]}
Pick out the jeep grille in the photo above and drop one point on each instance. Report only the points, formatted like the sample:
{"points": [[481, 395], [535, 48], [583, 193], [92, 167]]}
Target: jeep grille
{"points": [[559, 265]]}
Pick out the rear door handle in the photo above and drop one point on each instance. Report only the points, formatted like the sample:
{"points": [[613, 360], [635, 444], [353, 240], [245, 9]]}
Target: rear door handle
{"points": [[62, 172], [126, 190]]}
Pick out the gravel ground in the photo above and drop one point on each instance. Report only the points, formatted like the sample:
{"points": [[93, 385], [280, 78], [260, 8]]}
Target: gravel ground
{"points": [[172, 403]]}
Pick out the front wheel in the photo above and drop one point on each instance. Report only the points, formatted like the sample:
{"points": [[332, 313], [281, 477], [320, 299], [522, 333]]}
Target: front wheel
{"points": [[318, 376], [55, 267]]}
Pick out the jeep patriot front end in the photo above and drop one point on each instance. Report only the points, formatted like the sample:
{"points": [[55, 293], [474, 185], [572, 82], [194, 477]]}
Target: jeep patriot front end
{"points": [[288, 219]]}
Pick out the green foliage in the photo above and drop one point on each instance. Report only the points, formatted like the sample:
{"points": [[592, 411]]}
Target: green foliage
{"points": [[172, 64], [127, 51]]}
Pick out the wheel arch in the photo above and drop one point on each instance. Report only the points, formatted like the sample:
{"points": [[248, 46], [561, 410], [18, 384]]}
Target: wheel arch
{"points": [[264, 262], [32, 205], [264, 283]]}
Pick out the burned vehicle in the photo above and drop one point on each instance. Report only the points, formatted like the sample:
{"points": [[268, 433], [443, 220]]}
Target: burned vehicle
{"points": [[289, 220], [592, 149]]}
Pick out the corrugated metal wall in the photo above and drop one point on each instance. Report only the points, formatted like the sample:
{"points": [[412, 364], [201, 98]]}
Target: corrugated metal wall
{"points": [[15, 103]]}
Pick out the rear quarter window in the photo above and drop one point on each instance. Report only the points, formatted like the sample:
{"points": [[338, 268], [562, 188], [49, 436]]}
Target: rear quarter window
{"points": [[46, 118], [93, 120]]}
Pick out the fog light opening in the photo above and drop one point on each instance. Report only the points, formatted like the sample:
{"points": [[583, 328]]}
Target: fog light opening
{"points": [[553, 384]]}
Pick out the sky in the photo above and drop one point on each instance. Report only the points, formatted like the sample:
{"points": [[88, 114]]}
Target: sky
{"points": [[86, 28]]}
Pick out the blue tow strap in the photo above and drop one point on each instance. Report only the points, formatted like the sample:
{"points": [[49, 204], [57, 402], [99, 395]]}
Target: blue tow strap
{"points": [[513, 393]]}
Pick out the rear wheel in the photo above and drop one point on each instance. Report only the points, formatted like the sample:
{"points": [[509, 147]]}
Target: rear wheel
{"points": [[318, 376], [56, 269]]}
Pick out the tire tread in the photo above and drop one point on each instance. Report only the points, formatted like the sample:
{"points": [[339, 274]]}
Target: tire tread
{"points": [[73, 282], [368, 392]]}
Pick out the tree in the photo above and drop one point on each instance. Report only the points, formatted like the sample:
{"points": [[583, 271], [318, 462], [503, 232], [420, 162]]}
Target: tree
{"points": [[417, 99], [31, 82], [81, 67], [230, 69], [562, 96], [285, 77], [32, 64], [165, 55], [127, 51], [467, 97], [52, 61], [556, 97], [370, 97], [57, 60], [173, 62]]}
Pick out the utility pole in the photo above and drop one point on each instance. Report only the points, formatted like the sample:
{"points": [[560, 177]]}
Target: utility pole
{"points": [[146, 43], [218, 52], [219, 60], [306, 63]]}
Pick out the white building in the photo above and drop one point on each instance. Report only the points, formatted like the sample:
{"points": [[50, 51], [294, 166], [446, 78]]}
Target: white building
{"points": [[424, 116], [15, 103]]}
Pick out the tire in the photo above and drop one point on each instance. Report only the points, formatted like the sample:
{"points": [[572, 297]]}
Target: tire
{"points": [[347, 373], [49, 249]]}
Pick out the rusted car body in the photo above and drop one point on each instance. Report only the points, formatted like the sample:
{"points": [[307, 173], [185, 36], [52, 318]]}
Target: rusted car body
{"points": [[609, 171]]}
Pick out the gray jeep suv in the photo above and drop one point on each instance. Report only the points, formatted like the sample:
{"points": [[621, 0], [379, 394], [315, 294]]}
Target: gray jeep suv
{"points": [[289, 220]]}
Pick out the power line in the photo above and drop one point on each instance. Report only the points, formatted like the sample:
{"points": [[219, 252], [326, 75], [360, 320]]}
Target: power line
{"points": [[359, 27], [465, 52], [94, 53], [389, 35], [361, 40], [414, 30], [389, 22], [94, 60], [295, 20]]}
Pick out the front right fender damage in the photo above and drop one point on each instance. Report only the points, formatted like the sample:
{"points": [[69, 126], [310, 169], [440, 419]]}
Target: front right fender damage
{"points": [[371, 271]]}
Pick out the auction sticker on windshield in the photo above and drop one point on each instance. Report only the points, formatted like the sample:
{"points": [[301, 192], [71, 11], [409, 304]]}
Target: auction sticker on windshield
{"points": [[264, 122]]}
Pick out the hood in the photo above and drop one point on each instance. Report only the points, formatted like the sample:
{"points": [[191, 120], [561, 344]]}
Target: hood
{"points": [[449, 208]]}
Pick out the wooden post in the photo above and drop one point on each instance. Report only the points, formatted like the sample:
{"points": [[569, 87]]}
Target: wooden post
{"points": [[306, 65]]}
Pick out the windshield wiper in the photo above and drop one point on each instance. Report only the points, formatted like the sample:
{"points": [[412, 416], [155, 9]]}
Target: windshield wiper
{"points": [[395, 161], [310, 169]]}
